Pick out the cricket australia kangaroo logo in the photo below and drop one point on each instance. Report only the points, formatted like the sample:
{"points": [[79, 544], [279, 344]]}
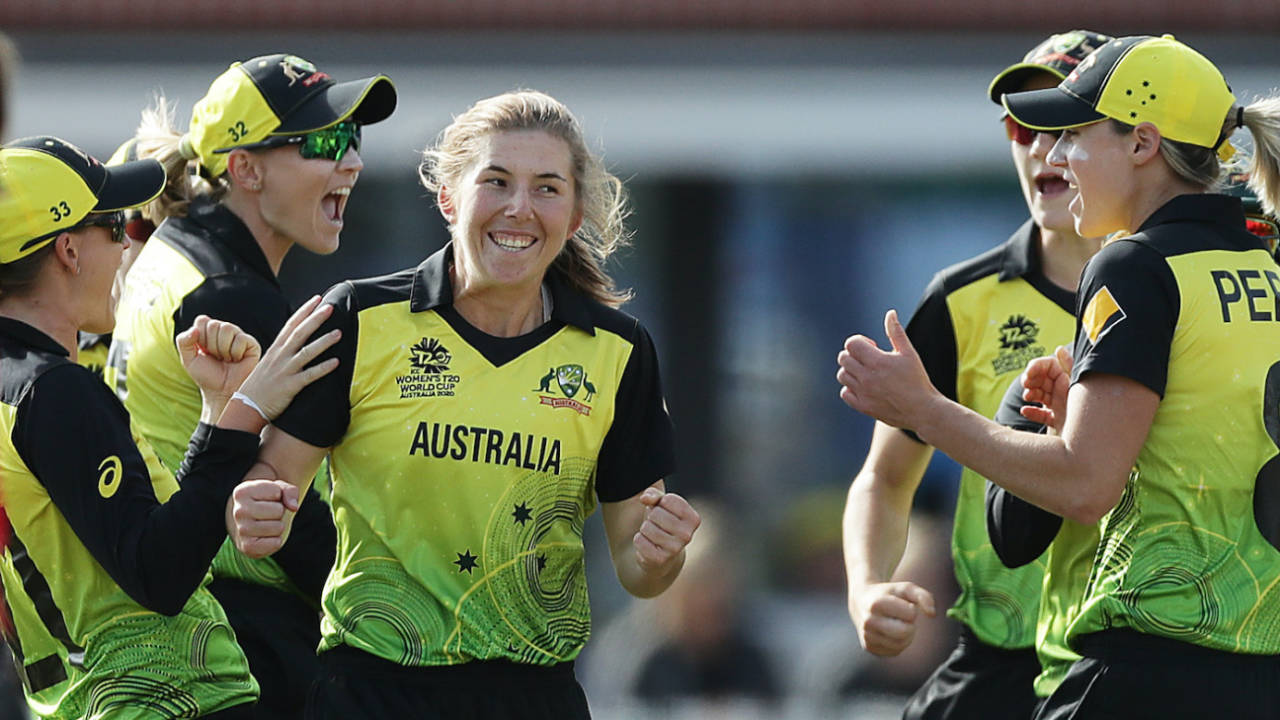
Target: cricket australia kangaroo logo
{"points": [[569, 381]]}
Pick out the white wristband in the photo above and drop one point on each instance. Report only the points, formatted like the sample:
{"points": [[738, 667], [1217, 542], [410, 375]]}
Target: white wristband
{"points": [[237, 395]]}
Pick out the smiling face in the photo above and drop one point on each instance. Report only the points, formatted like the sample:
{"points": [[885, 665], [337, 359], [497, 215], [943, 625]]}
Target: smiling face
{"points": [[1043, 187], [303, 200], [512, 210], [1096, 160]]}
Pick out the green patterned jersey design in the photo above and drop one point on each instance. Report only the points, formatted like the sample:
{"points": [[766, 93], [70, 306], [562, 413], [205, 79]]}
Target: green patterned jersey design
{"points": [[1182, 555], [997, 603], [119, 660], [475, 551], [1069, 561]]}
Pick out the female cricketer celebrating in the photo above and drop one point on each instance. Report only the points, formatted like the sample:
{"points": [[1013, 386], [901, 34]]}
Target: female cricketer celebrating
{"points": [[494, 394], [1166, 430], [267, 162], [977, 326], [104, 574]]}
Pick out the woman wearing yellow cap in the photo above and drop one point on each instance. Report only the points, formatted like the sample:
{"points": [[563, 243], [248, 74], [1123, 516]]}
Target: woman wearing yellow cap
{"points": [[104, 576], [1166, 423], [267, 162]]}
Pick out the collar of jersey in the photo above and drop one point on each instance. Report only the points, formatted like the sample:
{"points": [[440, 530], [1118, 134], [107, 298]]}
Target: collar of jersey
{"points": [[1200, 207], [432, 289], [30, 336], [1020, 256], [227, 228]]}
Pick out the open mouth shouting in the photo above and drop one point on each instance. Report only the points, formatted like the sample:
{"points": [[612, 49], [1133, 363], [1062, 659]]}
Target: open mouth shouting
{"points": [[334, 203], [1050, 184]]}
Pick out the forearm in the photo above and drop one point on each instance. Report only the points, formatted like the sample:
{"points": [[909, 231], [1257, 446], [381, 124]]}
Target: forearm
{"points": [[876, 520], [643, 582], [308, 554], [1047, 471]]}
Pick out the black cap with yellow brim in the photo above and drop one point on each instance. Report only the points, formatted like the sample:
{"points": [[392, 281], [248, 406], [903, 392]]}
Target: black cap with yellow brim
{"points": [[1134, 80], [278, 95], [51, 185], [1056, 56]]}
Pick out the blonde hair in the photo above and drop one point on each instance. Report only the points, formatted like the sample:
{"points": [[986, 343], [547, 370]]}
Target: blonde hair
{"points": [[600, 196], [1262, 117], [159, 138], [1202, 166]]}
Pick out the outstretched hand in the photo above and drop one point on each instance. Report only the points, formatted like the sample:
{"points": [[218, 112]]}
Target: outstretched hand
{"points": [[283, 370], [1047, 381], [890, 386], [218, 356]]}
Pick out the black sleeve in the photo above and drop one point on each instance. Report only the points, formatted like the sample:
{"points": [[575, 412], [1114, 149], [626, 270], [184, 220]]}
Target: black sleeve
{"points": [[933, 336], [639, 448], [1127, 309], [309, 554], [74, 436], [1019, 531], [254, 306], [312, 547], [320, 413]]}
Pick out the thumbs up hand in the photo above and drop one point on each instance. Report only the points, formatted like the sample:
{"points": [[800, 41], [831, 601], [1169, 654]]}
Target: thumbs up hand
{"points": [[889, 385]]}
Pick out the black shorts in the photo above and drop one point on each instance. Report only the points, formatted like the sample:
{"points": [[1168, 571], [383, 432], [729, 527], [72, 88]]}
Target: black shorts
{"points": [[1126, 675], [355, 686], [978, 681], [279, 634]]}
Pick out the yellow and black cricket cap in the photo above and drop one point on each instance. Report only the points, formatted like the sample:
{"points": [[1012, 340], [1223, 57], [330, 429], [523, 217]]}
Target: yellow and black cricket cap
{"points": [[1056, 55], [1134, 80], [278, 94], [49, 185]]}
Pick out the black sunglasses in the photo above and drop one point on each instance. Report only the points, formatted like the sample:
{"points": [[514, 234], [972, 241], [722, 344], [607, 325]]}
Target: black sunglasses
{"points": [[113, 221]]}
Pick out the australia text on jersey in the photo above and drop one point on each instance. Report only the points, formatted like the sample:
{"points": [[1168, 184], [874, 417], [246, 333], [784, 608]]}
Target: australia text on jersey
{"points": [[487, 445]]}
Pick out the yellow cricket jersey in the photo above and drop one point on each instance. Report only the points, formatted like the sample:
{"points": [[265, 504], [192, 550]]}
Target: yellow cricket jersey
{"points": [[1190, 307], [976, 328], [1020, 533], [104, 584], [464, 466], [206, 263]]}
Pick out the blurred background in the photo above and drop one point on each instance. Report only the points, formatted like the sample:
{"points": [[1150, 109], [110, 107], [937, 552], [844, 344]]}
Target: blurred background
{"points": [[796, 169]]}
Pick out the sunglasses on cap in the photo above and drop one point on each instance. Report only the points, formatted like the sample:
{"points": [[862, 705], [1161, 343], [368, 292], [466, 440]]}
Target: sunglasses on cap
{"points": [[1022, 134], [330, 143]]}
